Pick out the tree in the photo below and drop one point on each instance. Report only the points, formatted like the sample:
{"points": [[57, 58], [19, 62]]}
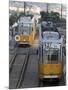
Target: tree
{"points": [[20, 14], [42, 14], [13, 18], [55, 17], [50, 16]]}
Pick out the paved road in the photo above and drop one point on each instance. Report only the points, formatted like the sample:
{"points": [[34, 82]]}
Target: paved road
{"points": [[14, 75], [33, 63], [31, 75]]}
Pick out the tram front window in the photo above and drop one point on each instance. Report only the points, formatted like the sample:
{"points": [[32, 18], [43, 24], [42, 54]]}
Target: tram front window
{"points": [[50, 32], [25, 29], [51, 56]]}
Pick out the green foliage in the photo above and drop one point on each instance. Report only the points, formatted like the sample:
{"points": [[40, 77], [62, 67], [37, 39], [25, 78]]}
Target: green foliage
{"points": [[55, 16], [20, 14], [52, 16], [13, 18]]}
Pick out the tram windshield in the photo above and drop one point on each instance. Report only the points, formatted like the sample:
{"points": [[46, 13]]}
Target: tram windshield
{"points": [[50, 32], [51, 55], [25, 28]]}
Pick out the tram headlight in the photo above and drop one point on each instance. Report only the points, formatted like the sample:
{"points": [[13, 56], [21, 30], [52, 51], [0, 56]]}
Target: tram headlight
{"points": [[17, 38]]}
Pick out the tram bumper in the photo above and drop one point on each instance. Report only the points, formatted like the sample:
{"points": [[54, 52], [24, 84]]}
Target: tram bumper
{"points": [[23, 39], [49, 76], [50, 79]]}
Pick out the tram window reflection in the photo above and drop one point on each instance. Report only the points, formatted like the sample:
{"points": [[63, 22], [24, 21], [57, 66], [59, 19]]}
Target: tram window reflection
{"points": [[51, 55], [25, 29]]}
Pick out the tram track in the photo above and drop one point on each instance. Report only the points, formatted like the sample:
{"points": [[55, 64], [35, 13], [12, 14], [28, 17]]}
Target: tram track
{"points": [[18, 51], [11, 62], [23, 64], [22, 73], [14, 54], [31, 74], [18, 66]]}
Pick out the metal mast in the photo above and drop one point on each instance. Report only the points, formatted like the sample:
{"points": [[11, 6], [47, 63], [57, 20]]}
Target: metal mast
{"points": [[61, 11], [47, 7], [24, 8]]}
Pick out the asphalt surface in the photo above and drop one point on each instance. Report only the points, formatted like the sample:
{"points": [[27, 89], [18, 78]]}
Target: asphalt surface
{"points": [[14, 75], [31, 75]]}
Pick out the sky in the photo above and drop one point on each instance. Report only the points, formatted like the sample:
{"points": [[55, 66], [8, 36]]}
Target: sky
{"points": [[52, 6]]}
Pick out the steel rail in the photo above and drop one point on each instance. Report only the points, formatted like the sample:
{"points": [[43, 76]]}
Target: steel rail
{"points": [[12, 61], [22, 73]]}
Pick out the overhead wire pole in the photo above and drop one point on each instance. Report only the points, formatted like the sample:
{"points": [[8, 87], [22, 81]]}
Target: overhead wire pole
{"points": [[47, 7], [30, 6], [24, 8], [47, 11], [61, 11], [17, 11]]}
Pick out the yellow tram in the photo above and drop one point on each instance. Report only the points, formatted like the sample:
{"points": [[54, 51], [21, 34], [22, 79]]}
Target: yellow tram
{"points": [[50, 65], [27, 30], [51, 55]]}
